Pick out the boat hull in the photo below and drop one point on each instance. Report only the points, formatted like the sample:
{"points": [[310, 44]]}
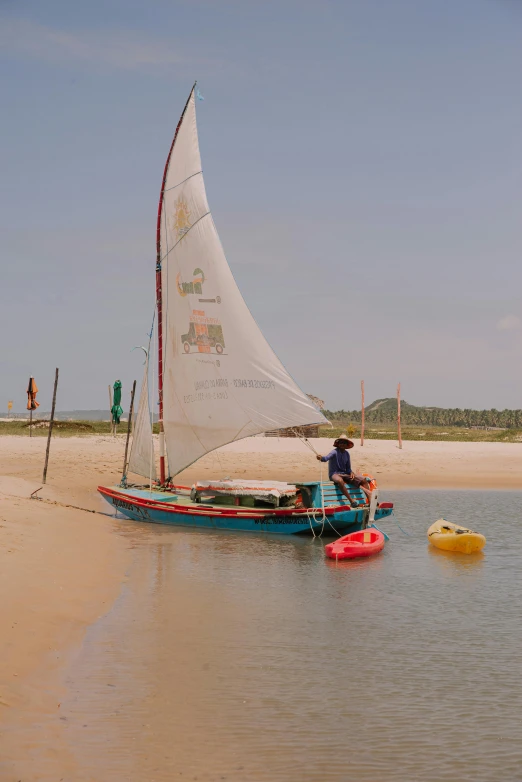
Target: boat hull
{"points": [[150, 507], [365, 543], [451, 537]]}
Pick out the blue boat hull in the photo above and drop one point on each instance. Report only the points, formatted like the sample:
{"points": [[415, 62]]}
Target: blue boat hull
{"points": [[145, 506]]}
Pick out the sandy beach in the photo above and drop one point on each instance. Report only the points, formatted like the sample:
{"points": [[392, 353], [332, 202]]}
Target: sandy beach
{"points": [[419, 465], [62, 568]]}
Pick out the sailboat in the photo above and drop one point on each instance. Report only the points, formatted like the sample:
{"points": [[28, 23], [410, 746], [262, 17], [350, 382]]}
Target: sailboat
{"points": [[218, 381]]}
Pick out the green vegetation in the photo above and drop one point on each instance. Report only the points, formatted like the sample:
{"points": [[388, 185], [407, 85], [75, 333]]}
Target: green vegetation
{"points": [[426, 423], [429, 433], [62, 428], [418, 423], [384, 411]]}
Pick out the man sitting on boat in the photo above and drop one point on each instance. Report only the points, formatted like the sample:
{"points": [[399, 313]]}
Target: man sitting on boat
{"points": [[340, 468]]}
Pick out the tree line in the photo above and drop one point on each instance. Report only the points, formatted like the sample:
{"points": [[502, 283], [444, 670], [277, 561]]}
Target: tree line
{"points": [[385, 412]]}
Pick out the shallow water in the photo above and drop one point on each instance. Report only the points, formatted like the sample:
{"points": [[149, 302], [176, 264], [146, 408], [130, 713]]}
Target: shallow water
{"points": [[240, 657]]}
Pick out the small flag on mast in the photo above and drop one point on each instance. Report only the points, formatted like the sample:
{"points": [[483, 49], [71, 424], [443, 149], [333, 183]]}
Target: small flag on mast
{"points": [[199, 96]]}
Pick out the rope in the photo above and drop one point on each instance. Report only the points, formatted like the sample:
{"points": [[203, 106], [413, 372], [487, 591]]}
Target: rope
{"points": [[305, 441], [332, 526], [182, 237], [65, 505], [311, 513], [401, 529], [386, 537], [215, 454], [168, 189]]}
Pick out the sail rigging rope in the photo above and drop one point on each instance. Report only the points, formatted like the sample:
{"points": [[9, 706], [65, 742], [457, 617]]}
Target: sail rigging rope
{"points": [[311, 513], [181, 237], [408, 534], [168, 189], [305, 441]]}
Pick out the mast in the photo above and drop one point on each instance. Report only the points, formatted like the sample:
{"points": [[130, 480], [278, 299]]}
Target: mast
{"points": [[159, 298]]}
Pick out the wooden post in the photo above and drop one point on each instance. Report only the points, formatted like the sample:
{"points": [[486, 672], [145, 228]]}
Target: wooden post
{"points": [[50, 428], [362, 412], [399, 414], [128, 430], [110, 407]]}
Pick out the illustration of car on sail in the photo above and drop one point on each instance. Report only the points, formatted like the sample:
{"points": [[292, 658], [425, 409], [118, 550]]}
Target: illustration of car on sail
{"points": [[205, 403], [205, 334]]}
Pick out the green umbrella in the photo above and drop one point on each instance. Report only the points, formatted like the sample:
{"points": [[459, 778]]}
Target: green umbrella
{"points": [[117, 410]]}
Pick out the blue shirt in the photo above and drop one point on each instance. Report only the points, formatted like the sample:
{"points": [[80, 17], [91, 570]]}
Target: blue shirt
{"points": [[338, 461]]}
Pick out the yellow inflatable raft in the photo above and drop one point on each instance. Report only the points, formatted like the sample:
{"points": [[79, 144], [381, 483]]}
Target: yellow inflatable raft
{"points": [[451, 537]]}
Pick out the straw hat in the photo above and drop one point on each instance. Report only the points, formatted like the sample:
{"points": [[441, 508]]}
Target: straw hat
{"points": [[345, 438]]}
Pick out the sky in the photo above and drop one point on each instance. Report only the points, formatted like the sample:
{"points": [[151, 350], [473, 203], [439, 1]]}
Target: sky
{"points": [[363, 163]]}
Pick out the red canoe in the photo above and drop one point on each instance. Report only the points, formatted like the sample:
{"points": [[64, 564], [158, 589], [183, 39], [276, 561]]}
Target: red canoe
{"points": [[358, 544]]}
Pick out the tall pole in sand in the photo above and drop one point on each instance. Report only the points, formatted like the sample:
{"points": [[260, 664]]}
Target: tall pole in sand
{"points": [[110, 406], [128, 431], [399, 414], [50, 427], [362, 412]]}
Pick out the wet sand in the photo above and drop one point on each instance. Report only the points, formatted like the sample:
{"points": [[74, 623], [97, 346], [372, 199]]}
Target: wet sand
{"points": [[61, 568]]}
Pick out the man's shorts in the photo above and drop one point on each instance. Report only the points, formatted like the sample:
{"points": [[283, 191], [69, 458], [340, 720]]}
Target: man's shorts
{"points": [[357, 480]]}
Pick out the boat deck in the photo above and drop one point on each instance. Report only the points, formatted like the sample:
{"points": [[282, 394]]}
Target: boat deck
{"points": [[317, 493]]}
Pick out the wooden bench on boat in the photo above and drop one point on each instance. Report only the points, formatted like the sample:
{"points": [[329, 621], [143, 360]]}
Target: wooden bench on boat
{"points": [[312, 496]]}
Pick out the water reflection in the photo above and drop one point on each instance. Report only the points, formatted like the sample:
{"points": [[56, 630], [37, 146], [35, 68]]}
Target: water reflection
{"points": [[454, 562], [244, 657]]}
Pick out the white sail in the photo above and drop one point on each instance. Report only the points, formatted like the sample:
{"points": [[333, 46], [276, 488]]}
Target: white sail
{"points": [[221, 379], [141, 459]]}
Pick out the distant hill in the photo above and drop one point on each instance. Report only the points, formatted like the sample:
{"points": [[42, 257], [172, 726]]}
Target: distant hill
{"points": [[384, 411]]}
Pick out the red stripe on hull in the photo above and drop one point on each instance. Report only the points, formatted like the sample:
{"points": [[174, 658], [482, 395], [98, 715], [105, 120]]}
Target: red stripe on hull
{"points": [[197, 510]]}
